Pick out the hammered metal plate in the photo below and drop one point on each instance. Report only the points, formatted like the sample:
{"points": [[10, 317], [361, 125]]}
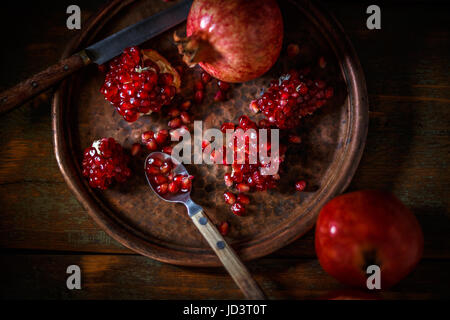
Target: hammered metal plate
{"points": [[333, 141]]}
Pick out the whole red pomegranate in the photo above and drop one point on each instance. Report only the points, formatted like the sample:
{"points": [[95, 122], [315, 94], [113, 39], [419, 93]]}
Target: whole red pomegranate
{"points": [[233, 40], [365, 228]]}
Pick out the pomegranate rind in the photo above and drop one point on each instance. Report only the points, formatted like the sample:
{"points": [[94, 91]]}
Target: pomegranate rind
{"points": [[163, 64]]}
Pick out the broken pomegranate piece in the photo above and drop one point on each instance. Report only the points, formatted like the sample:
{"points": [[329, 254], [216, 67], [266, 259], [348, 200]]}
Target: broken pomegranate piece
{"points": [[105, 162], [140, 82], [291, 97], [161, 176]]}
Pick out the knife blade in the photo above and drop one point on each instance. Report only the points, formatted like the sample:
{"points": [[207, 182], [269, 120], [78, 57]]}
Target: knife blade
{"points": [[138, 33], [99, 53]]}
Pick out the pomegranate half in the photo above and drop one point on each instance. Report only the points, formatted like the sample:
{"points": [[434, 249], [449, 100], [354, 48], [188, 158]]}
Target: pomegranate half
{"points": [[233, 40]]}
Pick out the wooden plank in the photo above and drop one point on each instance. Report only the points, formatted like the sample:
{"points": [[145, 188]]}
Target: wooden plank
{"points": [[135, 277]]}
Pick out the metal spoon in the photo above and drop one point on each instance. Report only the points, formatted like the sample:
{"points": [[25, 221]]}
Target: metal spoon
{"points": [[226, 254]]}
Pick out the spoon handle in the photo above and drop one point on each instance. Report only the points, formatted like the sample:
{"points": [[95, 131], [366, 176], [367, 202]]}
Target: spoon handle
{"points": [[228, 257]]}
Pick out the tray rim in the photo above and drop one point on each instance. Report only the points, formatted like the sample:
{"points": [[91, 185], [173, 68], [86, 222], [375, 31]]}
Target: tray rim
{"points": [[286, 234]]}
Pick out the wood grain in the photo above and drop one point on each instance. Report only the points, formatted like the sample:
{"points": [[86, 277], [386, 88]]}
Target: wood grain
{"points": [[33, 276]]}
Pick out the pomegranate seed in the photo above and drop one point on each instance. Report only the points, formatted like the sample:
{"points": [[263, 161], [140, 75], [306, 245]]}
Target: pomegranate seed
{"points": [[146, 136], [185, 117], [178, 178], [227, 126], [254, 106], [162, 188], [186, 184], [322, 62], [205, 77], [174, 123], [136, 149], [205, 144], [186, 105], [293, 50], [228, 180], [154, 162], [199, 86], [294, 139], [242, 198], [219, 96], [229, 197], [152, 170], [161, 136], [300, 185], [199, 96], [174, 187], [224, 227], [238, 209], [151, 144], [167, 149], [243, 187], [223, 86], [329, 92], [173, 112], [159, 179], [166, 167]]}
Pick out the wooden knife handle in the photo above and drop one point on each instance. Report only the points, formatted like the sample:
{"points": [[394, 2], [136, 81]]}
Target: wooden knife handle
{"points": [[31, 87], [228, 257]]}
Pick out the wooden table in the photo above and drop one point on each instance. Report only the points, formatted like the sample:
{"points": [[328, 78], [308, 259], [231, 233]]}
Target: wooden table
{"points": [[43, 229]]}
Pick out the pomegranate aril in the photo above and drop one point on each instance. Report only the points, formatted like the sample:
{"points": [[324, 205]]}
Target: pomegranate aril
{"points": [[227, 126], [161, 136], [322, 62], [174, 187], [238, 209], [254, 106], [205, 77], [242, 198], [136, 149], [167, 149], [224, 228], [173, 112], [162, 188], [220, 96], [185, 117], [186, 184], [159, 179], [186, 105], [228, 180], [300, 185], [166, 167], [294, 139], [147, 135], [151, 144], [199, 86], [152, 170], [229, 197], [243, 187], [174, 123], [223, 86], [293, 50], [199, 96]]}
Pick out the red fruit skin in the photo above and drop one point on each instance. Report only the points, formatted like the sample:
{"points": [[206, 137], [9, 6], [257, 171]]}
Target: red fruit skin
{"points": [[245, 55], [354, 226]]}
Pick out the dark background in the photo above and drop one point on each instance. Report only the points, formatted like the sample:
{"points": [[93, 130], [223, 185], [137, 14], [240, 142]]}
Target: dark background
{"points": [[43, 229]]}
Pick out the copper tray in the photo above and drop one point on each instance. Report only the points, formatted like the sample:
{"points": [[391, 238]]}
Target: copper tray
{"points": [[333, 142]]}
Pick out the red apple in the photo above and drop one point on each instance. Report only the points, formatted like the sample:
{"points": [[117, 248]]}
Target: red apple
{"points": [[362, 228]]}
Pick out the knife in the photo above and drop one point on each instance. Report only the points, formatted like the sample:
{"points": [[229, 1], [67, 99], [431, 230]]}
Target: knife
{"points": [[98, 53]]}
